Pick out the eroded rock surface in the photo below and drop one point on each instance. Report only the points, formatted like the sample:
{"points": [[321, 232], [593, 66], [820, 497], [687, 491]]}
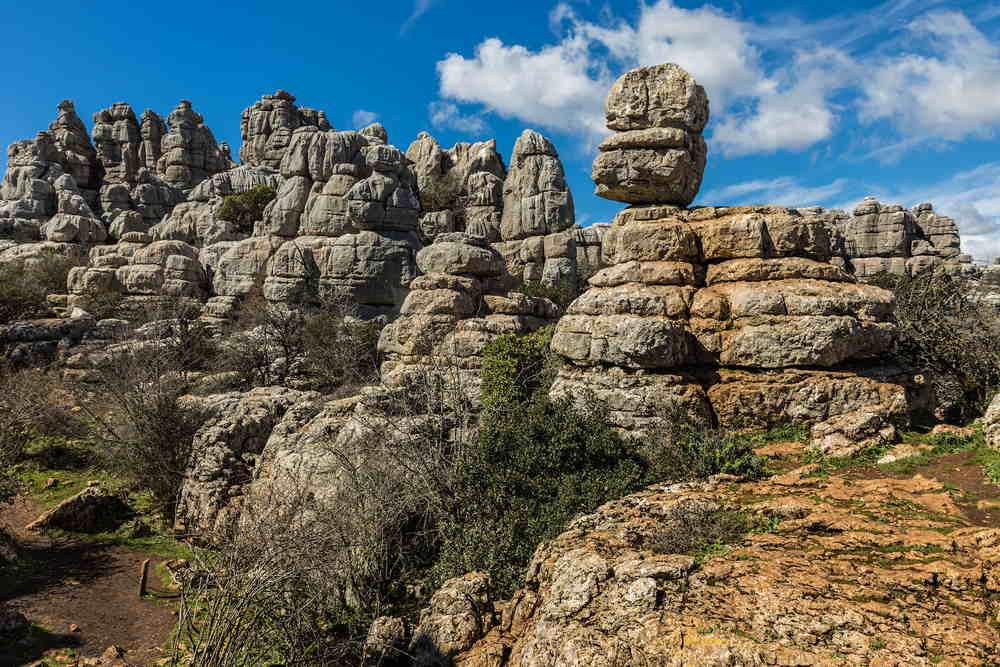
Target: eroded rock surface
{"points": [[873, 571], [657, 154]]}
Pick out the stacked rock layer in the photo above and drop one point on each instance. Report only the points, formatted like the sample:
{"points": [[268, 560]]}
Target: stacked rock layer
{"points": [[657, 154], [454, 310], [732, 316]]}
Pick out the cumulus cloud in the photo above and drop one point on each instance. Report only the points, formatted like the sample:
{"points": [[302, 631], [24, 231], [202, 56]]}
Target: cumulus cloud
{"points": [[949, 92], [783, 191], [363, 118], [558, 87], [447, 116], [562, 86], [786, 84]]}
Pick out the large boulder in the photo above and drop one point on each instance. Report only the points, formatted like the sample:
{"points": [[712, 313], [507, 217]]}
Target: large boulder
{"points": [[536, 199], [658, 154]]}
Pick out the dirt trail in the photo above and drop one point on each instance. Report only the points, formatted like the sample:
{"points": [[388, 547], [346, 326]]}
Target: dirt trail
{"points": [[92, 586]]}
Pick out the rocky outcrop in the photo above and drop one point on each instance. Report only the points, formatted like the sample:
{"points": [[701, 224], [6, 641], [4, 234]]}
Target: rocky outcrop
{"points": [[699, 310], [747, 291], [226, 451], [93, 510], [196, 220], [460, 189], [267, 126], [889, 238], [657, 154], [869, 571], [454, 310], [536, 198], [190, 153]]}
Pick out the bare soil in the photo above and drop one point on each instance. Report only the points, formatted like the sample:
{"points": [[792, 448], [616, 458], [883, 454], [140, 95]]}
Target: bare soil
{"points": [[72, 582]]}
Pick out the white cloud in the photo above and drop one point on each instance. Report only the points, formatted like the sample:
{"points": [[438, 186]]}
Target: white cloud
{"points": [[784, 191], [558, 87], [794, 116], [947, 93], [363, 118], [445, 115], [786, 84], [420, 7], [562, 86]]}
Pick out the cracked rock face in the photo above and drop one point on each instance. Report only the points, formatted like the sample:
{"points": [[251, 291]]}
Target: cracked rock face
{"points": [[536, 198], [657, 154], [690, 297], [871, 571], [267, 127], [460, 189], [190, 153]]}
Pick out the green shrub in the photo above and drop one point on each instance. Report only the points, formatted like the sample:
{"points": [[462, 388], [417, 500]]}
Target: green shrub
{"points": [[679, 449], [535, 465], [24, 287], [515, 367], [246, 208], [950, 338], [538, 464], [561, 294]]}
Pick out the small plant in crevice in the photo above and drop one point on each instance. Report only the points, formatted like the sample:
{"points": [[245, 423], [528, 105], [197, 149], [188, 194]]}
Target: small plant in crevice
{"points": [[246, 208]]}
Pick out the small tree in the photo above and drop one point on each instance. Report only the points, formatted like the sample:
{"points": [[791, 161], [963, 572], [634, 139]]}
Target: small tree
{"points": [[25, 286], [949, 337], [246, 208]]}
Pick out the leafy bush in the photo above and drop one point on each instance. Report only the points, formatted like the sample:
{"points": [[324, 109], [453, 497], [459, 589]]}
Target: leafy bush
{"points": [[24, 287], [246, 208], [948, 336], [679, 450], [516, 367], [561, 294], [536, 466]]}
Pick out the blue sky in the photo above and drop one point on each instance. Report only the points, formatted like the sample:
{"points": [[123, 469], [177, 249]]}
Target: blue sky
{"points": [[811, 103]]}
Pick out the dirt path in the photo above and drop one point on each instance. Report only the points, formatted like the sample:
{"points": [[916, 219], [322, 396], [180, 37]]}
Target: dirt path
{"points": [[91, 586]]}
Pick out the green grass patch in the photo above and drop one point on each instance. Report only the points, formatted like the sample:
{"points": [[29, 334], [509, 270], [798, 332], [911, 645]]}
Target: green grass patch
{"points": [[75, 465]]}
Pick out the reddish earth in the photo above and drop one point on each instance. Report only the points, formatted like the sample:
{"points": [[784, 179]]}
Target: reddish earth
{"points": [[92, 586]]}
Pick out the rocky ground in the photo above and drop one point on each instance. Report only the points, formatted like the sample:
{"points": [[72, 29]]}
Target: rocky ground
{"points": [[846, 563]]}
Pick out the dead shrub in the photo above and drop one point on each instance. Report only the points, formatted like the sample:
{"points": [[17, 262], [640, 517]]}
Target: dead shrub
{"points": [[25, 286]]}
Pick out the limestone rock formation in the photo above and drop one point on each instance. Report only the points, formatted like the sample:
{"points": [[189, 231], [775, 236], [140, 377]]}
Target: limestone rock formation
{"points": [[460, 189], [889, 238], [195, 221], [699, 310], [657, 154], [743, 290], [454, 310], [74, 221], [267, 127], [623, 585], [225, 450], [76, 154], [536, 198], [190, 153]]}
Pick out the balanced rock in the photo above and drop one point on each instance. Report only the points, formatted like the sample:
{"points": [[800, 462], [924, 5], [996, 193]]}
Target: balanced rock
{"points": [[658, 153]]}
